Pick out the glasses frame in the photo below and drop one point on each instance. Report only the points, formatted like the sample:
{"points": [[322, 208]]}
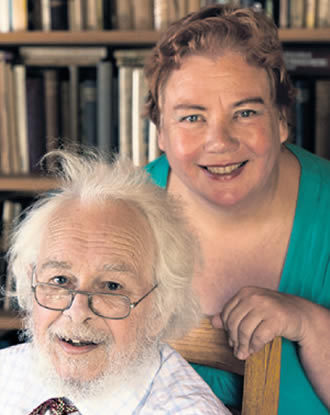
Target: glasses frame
{"points": [[90, 295]]}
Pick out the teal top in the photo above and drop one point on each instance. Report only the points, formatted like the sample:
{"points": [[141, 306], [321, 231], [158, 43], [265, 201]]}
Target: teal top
{"points": [[306, 273]]}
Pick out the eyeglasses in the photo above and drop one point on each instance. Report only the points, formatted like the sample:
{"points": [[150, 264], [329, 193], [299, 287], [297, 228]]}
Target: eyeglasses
{"points": [[106, 305]]}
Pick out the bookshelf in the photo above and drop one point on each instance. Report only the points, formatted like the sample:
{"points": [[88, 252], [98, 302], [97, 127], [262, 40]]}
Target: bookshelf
{"points": [[134, 38], [33, 184]]}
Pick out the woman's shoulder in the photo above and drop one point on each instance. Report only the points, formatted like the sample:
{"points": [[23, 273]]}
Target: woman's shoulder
{"points": [[158, 170]]}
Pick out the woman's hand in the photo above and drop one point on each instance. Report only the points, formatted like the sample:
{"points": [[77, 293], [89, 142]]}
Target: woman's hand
{"points": [[254, 316]]}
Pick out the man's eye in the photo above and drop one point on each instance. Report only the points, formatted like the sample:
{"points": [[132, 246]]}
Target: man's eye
{"points": [[113, 286], [59, 280]]}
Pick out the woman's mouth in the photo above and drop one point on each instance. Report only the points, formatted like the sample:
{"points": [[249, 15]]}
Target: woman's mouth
{"points": [[225, 170]]}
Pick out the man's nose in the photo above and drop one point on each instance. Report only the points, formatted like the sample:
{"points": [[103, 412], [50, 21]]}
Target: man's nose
{"points": [[79, 310]]}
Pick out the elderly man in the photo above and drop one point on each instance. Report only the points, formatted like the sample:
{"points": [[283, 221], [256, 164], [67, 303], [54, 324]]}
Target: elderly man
{"points": [[103, 272]]}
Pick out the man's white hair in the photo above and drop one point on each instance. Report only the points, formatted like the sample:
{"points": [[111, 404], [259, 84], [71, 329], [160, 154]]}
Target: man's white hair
{"points": [[91, 178]]}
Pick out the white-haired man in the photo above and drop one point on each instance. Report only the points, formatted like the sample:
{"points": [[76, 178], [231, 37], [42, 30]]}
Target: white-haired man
{"points": [[103, 272]]}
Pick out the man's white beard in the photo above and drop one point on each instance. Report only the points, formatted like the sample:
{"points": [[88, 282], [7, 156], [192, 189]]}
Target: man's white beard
{"points": [[126, 370]]}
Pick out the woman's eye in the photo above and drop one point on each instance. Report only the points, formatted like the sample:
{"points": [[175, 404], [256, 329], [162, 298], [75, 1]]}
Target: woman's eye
{"points": [[246, 113], [113, 286], [191, 118]]}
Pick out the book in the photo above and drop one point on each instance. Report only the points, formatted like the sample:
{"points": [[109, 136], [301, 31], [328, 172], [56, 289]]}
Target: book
{"points": [[62, 55], [94, 14], [192, 6], [124, 14], [12, 124], [58, 15], [34, 15], [45, 15], [125, 110], [297, 13], [4, 117], [5, 16], [161, 15], [284, 14], [88, 112], [19, 15], [310, 14], [65, 111], [74, 103], [75, 15], [139, 124], [143, 15], [304, 113], [36, 123], [312, 61], [51, 91], [323, 13], [105, 112], [126, 61], [322, 118], [21, 116], [10, 213]]}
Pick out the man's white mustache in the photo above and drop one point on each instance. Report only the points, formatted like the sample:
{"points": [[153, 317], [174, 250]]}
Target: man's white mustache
{"points": [[82, 333]]}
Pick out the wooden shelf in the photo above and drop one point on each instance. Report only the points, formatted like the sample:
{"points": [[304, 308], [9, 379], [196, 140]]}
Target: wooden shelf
{"points": [[133, 38], [305, 35], [10, 321], [29, 184], [130, 38]]}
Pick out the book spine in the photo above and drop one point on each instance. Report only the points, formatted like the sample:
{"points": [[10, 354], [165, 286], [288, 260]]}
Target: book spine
{"points": [[139, 124], [59, 15], [21, 116], [305, 108], [5, 16], [88, 112], [125, 110], [322, 119], [105, 133]]}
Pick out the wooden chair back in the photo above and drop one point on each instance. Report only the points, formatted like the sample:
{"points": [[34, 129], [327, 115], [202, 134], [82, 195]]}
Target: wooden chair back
{"points": [[208, 346]]}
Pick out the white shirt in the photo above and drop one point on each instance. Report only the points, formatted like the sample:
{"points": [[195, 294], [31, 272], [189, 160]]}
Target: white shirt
{"points": [[171, 386]]}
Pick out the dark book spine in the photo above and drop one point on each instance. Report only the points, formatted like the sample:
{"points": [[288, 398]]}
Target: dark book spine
{"points": [[305, 114], [59, 15], [36, 120]]}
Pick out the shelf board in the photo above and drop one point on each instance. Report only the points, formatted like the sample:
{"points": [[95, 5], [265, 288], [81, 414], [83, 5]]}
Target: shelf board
{"points": [[129, 38], [9, 321], [134, 38], [29, 184], [320, 35]]}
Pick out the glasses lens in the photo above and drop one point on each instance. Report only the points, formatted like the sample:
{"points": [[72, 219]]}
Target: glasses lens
{"points": [[52, 296], [111, 306]]}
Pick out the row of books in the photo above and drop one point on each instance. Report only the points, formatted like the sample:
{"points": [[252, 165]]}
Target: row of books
{"points": [[312, 115], [57, 96], [304, 14], [76, 15]]}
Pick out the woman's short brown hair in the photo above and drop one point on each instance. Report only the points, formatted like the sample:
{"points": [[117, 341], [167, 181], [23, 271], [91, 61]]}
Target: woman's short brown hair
{"points": [[210, 32]]}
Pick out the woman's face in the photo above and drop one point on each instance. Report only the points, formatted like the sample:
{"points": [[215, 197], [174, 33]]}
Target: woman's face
{"points": [[220, 129]]}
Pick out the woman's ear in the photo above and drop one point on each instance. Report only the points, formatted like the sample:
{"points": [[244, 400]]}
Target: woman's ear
{"points": [[283, 128]]}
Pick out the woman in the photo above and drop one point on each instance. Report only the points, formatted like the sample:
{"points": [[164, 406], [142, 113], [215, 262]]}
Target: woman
{"points": [[220, 97]]}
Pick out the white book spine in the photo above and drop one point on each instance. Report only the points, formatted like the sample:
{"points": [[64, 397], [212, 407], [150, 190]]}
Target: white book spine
{"points": [[21, 116], [5, 16], [125, 111], [138, 123]]}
